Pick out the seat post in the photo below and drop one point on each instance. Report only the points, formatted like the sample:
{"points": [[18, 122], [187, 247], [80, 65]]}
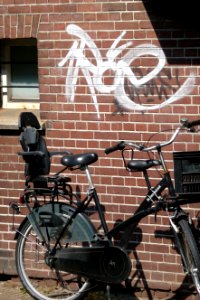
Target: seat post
{"points": [[146, 177], [89, 177]]}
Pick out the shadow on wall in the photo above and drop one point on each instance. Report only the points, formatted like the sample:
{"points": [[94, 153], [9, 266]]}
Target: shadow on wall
{"points": [[177, 28]]}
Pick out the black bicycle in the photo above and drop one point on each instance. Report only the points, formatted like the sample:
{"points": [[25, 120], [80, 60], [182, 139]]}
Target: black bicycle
{"points": [[59, 252]]}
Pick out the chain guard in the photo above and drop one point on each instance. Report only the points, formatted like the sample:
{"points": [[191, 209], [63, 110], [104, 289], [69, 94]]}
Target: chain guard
{"points": [[105, 264]]}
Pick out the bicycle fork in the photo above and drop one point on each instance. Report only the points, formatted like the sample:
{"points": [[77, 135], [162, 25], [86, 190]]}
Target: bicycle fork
{"points": [[176, 232]]}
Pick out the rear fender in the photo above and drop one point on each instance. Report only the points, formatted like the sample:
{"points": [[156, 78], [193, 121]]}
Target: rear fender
{"points": [[49, 220], [20, 227]]}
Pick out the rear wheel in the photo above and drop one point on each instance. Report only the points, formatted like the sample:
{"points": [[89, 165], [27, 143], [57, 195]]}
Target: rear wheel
{"points": [[189, 252], [41, 281]]}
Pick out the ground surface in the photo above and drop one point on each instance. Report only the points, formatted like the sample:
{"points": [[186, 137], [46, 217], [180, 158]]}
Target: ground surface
{"points": [[11, 289]]}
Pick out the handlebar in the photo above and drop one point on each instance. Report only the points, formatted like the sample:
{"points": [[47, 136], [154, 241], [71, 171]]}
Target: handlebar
{"points": [[184, 123], [193, 123], [32, 153], [119, 146]]}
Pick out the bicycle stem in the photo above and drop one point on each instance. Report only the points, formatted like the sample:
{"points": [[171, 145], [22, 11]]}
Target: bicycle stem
{"points": [[165, 169]]}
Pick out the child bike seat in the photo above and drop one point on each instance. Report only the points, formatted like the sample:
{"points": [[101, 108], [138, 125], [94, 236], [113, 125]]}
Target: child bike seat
{"points": [[35, 152]]}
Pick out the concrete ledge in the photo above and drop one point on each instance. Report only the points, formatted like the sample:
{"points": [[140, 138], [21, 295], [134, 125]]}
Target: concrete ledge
{"points": [[9, 118]]}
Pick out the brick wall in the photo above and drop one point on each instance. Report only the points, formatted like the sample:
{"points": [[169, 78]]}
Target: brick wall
{"points": [[108, 71]]}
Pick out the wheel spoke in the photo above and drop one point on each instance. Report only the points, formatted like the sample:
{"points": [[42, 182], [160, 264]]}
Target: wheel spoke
{"points": [[41, 281]]}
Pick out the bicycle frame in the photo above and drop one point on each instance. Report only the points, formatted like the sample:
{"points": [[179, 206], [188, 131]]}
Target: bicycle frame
{"points": [[72, 244], [146, 207], [152, 203]]}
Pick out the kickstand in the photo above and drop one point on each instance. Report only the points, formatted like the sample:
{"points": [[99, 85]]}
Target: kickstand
{"points": [[108, 292]]}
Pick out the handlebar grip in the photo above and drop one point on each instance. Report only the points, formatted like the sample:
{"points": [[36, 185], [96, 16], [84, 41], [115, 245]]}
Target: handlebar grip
{"points": [[119, 146], [193, 123]]}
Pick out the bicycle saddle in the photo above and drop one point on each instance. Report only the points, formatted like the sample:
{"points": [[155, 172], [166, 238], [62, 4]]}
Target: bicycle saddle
{"points": [[141, 165], [79, 160]]}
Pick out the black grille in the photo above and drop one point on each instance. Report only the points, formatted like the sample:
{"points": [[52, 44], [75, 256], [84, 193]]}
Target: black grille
{"points": [[187, 173]]}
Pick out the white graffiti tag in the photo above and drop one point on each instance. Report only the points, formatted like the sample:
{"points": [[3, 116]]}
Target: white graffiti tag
{"points": [[94, 73]]}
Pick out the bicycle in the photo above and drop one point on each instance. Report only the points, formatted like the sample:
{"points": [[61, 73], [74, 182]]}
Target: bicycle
{"points": [[58, 242]]}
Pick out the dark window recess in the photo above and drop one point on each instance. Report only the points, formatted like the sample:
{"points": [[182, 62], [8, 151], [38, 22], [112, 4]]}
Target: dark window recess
{"points": [[19, 71], [187, 173]]}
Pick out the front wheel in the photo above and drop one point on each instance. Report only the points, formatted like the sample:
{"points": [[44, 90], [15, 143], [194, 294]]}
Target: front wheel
{"points": [[41, 281], [189, 251]]}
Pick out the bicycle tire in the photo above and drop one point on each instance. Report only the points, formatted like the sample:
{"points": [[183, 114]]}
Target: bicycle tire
{"points": [[40, 281], [189, 252]]}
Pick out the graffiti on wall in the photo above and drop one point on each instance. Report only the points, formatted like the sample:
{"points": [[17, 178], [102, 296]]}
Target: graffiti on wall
{"points": [[118, 60]]}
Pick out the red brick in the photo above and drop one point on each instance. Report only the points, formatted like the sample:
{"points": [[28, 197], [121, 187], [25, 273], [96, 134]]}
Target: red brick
{"points": [[76, 125], [114, 7]]}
